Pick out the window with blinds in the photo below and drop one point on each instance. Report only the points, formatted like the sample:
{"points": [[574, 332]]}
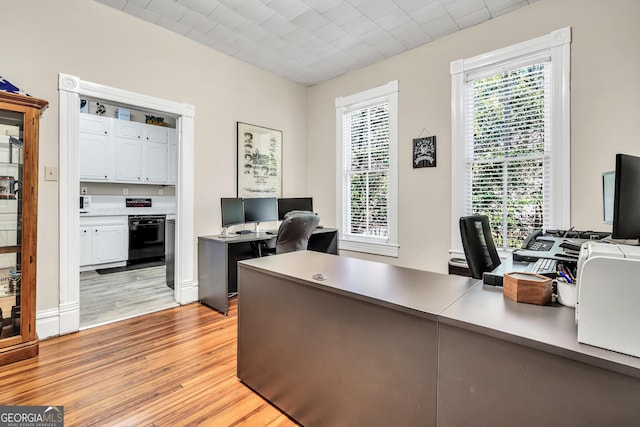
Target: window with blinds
{"points": [[511, 133], [366, 173], [508, 150], [366, 205]]}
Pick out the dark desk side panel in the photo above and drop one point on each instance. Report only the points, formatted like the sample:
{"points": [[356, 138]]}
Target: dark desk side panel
{"points": [[212, 274], [328, 360], [487, 381]]}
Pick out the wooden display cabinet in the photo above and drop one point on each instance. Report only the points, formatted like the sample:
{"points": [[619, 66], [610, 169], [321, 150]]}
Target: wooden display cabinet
{"points": [[19, 124]]}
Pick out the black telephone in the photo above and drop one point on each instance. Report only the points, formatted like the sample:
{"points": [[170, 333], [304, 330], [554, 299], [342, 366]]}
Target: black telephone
{"points": [[532, 243]]}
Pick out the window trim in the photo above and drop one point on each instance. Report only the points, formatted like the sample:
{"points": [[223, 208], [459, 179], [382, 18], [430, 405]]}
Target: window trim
{"points": [[557, 46], [371, 245]]}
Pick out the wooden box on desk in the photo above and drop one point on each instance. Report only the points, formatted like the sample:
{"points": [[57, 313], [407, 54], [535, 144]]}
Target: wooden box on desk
{"points": [[527, 287]]}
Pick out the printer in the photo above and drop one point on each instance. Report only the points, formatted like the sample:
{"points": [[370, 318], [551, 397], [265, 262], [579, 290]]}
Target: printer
{"points": [[607, 296]]}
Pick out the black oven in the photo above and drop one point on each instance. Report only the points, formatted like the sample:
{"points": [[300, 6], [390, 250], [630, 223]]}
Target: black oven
{"points": [[146, 238]]}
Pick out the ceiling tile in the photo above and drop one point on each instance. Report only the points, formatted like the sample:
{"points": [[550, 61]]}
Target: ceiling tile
{"points": [[429, 13], [299, 37], [227, 17], [231, 4], [251, 31], [376, 36], [410, 30], [140, 3], [342, 14], [473, 18], [278, 25], [360, 26], [330, 32], [254, 10], [197, 22], [322, 5], [462, 8], [393, 19], [389, 47], [375, 9], [203, 7], [440, 27], [310, 20], [222, 34], [289, 9], [410, 5], [346, 41]]}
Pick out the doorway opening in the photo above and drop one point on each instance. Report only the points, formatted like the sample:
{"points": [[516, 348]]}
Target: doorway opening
{"points": [[71, 91]]}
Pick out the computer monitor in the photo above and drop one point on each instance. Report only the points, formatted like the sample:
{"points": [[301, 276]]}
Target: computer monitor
{"points": [[260, 209], [294, 204], [232, 210], [608, 192], [626, 205]]}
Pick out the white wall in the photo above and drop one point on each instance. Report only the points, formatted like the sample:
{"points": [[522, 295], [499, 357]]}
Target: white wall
{"points": [[604, 102], [99, 44]]}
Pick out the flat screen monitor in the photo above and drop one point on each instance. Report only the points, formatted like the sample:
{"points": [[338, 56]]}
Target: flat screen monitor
{"points": [[626, 206], [232, 211], [260, 209], [608, 192], [294, 204]]}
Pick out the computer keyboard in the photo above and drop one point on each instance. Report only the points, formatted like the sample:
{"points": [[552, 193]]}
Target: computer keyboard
{"points": [[544, 266]]}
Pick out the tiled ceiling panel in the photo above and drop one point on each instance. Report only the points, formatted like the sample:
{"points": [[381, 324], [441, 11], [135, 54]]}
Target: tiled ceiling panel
{"points": [[310, 41]]}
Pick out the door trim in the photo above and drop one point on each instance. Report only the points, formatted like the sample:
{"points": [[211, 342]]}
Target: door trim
{"points": [[70, 89]]}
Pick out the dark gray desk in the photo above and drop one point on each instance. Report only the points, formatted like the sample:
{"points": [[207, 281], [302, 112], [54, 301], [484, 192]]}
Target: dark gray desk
{"points": [[357, 349], [375, 344], [218, 258]]}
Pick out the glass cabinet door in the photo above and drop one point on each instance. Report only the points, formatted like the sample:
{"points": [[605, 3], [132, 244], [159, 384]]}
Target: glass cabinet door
{"points": [[11, 169]]}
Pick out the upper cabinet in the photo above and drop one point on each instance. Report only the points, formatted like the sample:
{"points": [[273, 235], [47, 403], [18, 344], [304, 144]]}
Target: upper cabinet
{"points": [[19, 127], [114, 150]]}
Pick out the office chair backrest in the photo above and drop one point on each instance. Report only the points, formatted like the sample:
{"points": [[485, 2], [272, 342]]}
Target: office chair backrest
{"points": [[479, 248], [295, 230]]}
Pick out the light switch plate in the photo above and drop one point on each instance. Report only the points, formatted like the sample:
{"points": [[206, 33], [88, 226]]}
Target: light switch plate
{"points": [[50, 173]]}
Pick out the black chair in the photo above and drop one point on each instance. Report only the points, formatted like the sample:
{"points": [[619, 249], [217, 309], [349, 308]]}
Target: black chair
{"points": [[479, 248], [293, 233]]}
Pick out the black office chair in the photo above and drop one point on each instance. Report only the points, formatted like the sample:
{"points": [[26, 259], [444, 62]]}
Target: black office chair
{"points": [[479, 248], [293, 233]]}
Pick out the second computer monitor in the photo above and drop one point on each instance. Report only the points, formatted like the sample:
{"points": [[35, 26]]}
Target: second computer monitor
{"points": [[294, 204], [260, 209]]}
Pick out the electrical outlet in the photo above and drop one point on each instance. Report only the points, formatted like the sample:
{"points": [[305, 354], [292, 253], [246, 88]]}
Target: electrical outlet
{"points": [[160, 192], [125, 191], [83, 191]]}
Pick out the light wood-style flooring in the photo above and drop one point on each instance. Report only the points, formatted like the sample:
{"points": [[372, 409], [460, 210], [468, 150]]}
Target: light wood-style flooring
{"points": [[175, 367], [106, 298]]}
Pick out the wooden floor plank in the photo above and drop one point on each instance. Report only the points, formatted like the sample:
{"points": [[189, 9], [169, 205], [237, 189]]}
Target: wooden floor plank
{"points": [[171, 368]]}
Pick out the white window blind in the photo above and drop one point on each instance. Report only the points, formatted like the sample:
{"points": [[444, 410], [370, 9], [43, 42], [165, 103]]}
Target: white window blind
{"points": [[366, 172], [508, 150], [367, 188]]}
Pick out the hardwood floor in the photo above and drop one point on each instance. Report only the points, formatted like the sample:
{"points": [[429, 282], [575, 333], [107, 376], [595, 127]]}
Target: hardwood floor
{"points": [[175, 367]]}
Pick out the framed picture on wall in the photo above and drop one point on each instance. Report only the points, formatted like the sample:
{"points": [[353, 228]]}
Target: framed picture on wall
{"points": [[259, 161], [424, 152]]}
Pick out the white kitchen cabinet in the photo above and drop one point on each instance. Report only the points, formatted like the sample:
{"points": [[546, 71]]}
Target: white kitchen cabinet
{"points": [[97, 155], [103, 240], [154, 162], [123, 151], [129, 160]]}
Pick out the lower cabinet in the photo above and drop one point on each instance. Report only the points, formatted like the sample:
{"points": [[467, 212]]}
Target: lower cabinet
{"points": [[103, 240]]}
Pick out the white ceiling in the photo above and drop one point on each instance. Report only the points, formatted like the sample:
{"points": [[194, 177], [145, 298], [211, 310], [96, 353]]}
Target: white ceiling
{"points": [[310, 41]]}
